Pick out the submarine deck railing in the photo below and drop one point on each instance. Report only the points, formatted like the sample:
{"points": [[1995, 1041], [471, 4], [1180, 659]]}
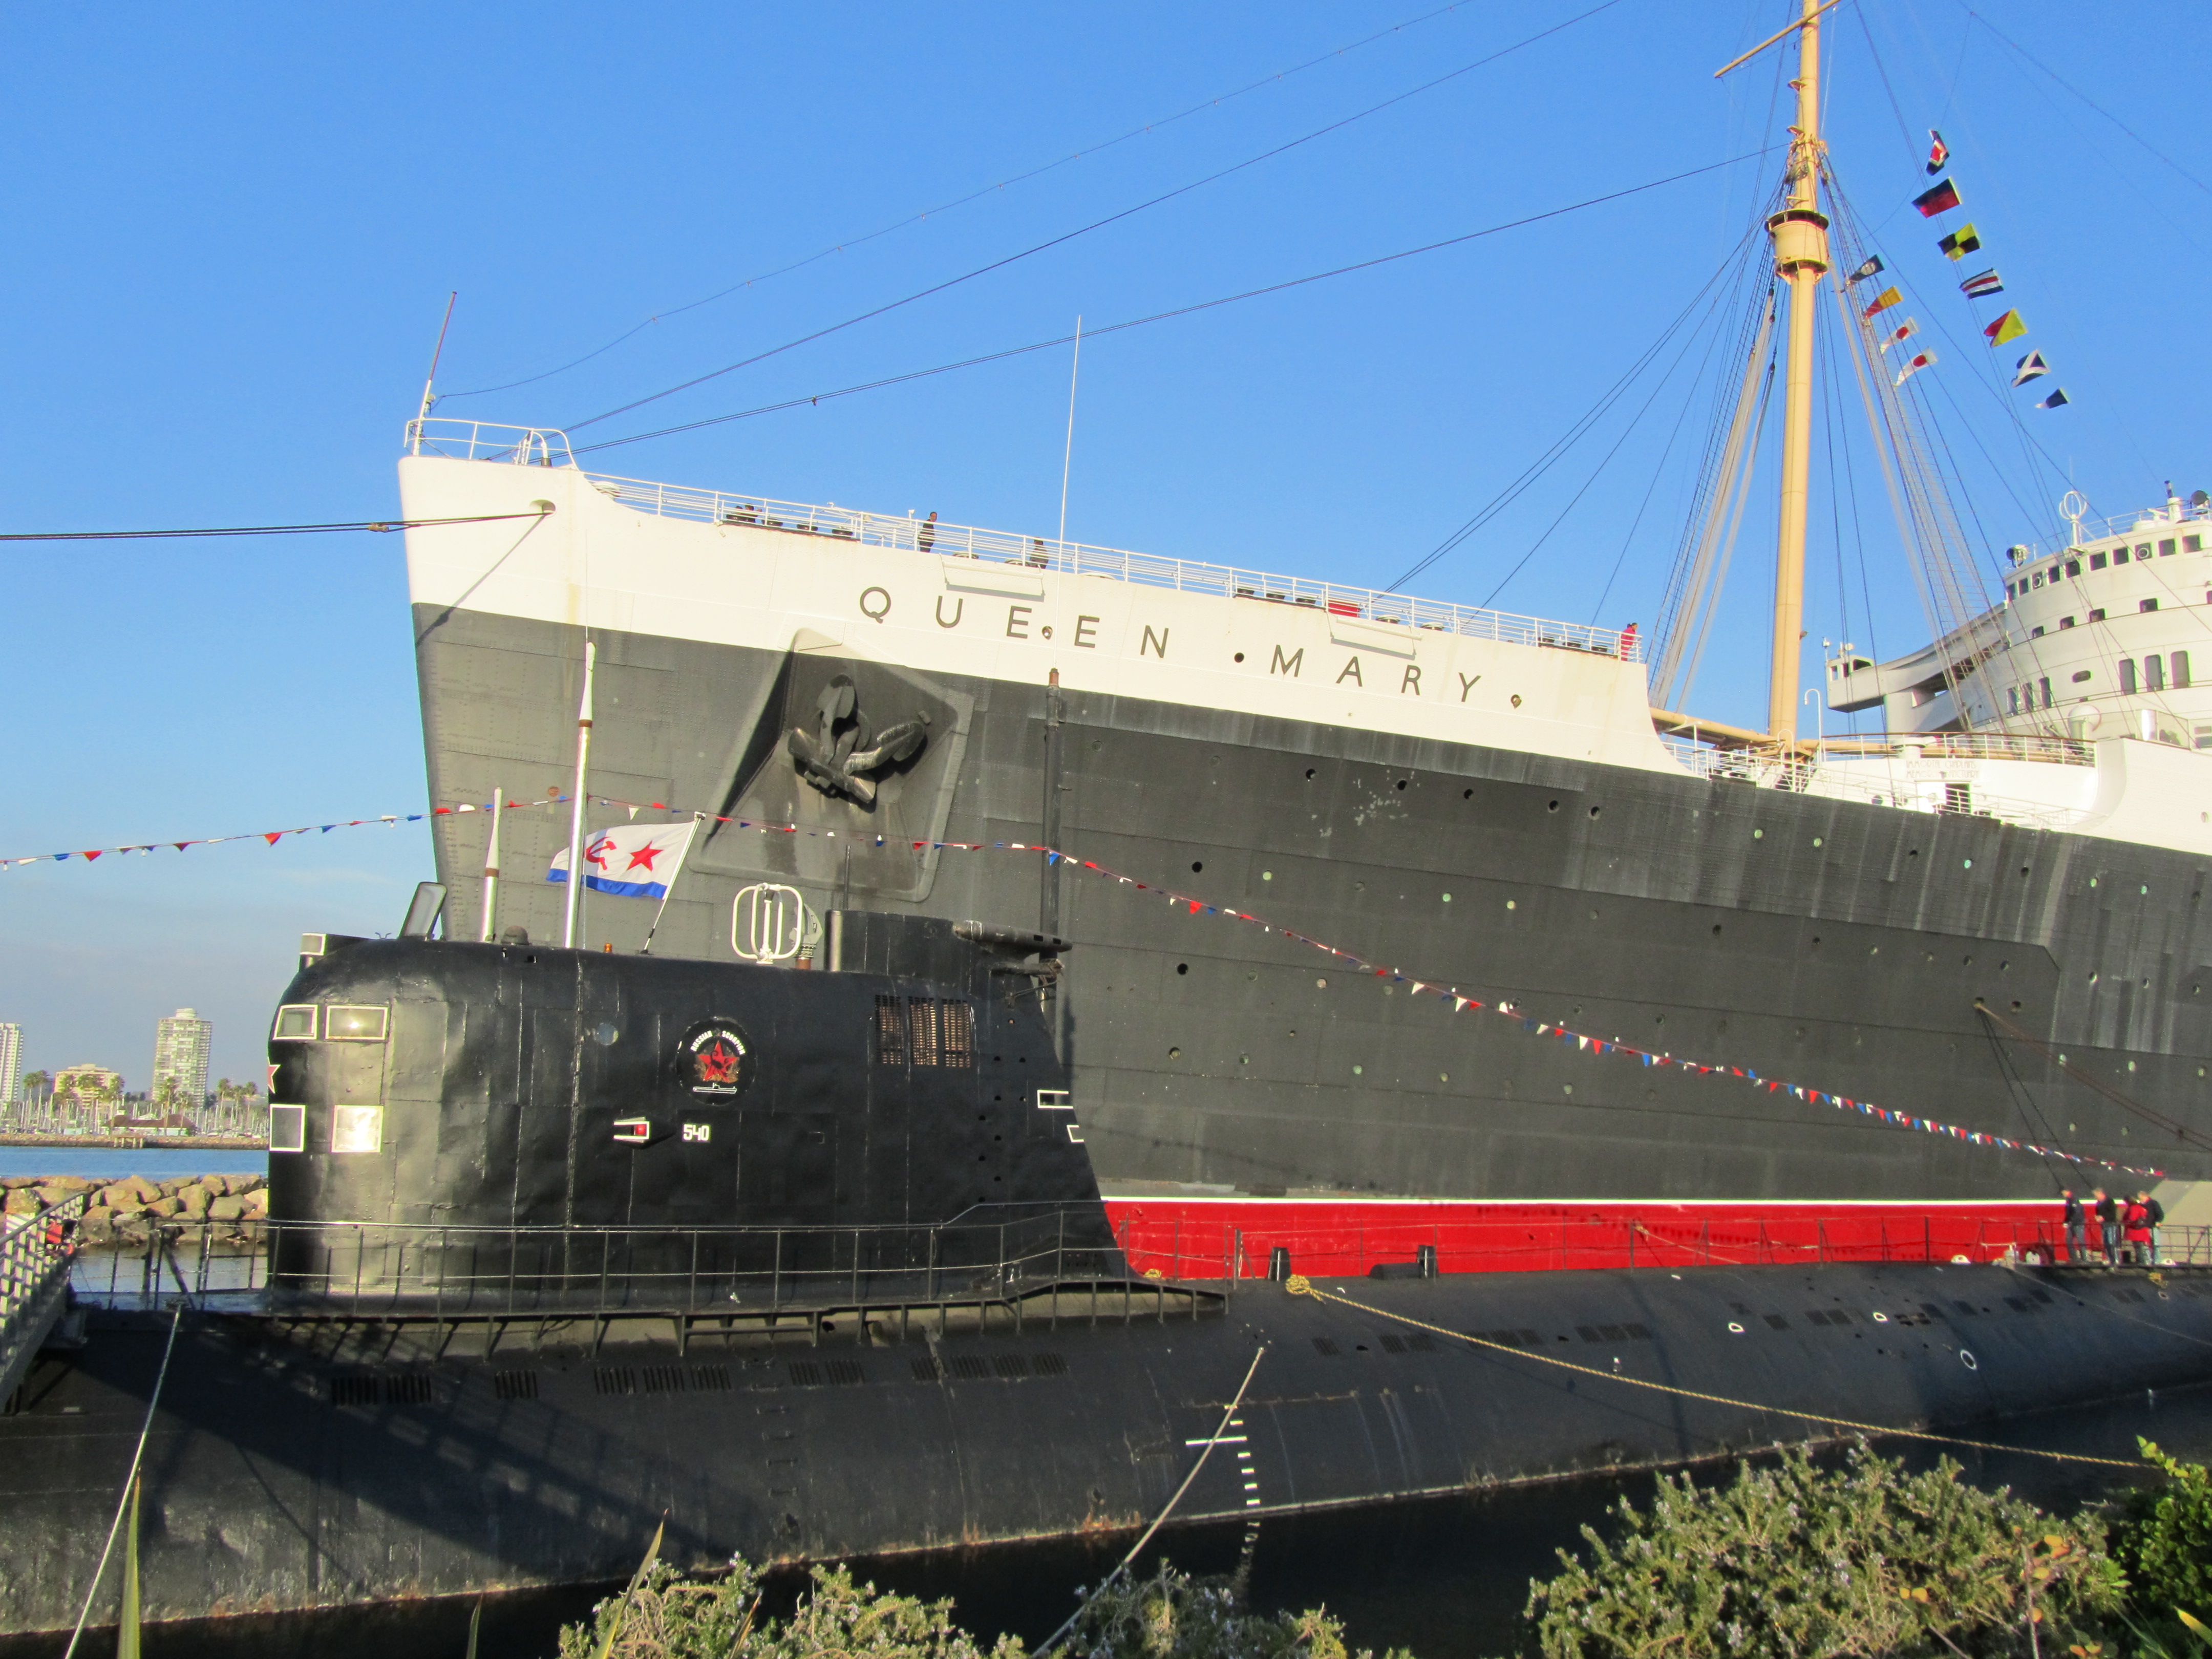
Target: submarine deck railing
{"points": [[431, 1271], [34, 1272], [494, 442]]}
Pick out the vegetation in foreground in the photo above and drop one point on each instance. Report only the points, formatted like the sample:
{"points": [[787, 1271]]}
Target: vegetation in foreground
{"points": [[1788, 1560]]}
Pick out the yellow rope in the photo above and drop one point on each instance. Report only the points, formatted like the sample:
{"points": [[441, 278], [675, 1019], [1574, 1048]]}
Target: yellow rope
{"points": [[1299, 1285]]}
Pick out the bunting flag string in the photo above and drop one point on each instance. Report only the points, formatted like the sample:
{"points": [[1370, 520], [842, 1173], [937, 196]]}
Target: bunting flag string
{"points": [[1461, 1001]]}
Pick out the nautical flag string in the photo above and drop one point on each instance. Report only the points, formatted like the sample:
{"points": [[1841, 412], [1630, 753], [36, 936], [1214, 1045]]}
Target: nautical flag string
{"points": [[1939, 197], [1461, 1001], [1938, 152], [1959, 243], [1984, 285]]}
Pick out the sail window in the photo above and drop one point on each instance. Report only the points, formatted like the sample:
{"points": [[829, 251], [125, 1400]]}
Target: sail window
{"points": [[345, 1023], [288, 1125], [2165, 548], [356, 1128], [2147, 605], [2096, 561], [295, 1022], [2181, 670], [2127, 676], [890, 1031], [2153, 672]]}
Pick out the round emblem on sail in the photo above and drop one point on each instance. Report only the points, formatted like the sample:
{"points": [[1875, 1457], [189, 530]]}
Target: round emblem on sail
{"points": [[715, 1061]]}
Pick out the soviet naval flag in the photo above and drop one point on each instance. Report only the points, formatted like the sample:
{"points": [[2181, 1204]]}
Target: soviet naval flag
{"points": [[631, 860], [1937, 198]]}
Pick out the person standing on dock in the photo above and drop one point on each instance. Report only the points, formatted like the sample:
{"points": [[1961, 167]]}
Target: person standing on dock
{"points": [[2077, 1227], [2108, 1226], [2155, 1216]]}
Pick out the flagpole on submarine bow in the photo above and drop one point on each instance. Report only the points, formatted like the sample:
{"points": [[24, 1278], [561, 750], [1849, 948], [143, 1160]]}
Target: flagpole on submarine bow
{"points": [[576, 894], [491, 868], [675, 870]]}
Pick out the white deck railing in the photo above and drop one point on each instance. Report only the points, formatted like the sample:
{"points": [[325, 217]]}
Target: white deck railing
{"points": [[482, 441]]}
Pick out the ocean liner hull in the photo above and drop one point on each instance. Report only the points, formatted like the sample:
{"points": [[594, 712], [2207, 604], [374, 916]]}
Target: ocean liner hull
{"points": [[1570, 868]]}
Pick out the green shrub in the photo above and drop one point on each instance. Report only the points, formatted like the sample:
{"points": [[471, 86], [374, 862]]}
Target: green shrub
{"points": [[1795, 1561], [2164, 1543], [1169, 1615]]}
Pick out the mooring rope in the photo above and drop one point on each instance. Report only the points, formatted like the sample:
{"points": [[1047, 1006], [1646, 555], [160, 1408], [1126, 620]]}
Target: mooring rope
{"points": [[1299, 1285], [176, 1320], [1044, 1648]]}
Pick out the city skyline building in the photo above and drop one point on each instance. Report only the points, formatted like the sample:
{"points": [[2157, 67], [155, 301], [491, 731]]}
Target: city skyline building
{"points": [[182, 1043], [11, 1064]]}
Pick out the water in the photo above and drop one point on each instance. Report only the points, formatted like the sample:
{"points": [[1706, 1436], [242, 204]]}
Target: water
{"points": [[114, 1162], [1446, 1578]]}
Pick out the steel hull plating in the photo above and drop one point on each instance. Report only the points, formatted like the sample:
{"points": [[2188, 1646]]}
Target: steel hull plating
{"points": [[303, 1465], [1832, 943]]}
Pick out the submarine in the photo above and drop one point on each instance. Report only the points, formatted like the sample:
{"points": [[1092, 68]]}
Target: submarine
{"points": [[810, 1262]]}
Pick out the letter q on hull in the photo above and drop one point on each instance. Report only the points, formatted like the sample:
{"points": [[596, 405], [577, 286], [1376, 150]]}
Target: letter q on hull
{"points": [[770, 923]]}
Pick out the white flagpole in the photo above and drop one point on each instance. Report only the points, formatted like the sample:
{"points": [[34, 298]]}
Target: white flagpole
{"points": [[675, 870], [576, 806], [1068, 459], [491, 867]]}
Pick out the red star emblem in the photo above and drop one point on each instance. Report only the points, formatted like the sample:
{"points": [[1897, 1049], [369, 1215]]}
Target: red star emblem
{"points": [[718, 1063], [644, 855]]}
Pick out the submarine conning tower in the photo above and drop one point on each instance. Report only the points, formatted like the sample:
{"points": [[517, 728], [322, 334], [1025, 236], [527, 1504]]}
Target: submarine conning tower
{"points": [[431, 1083]]}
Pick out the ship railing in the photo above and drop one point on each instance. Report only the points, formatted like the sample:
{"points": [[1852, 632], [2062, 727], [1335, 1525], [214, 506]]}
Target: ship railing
{"points": [[2145, 520], [34, 1273], [460, 1272], [1184, 1247], [487, 442], [1929, 793]]}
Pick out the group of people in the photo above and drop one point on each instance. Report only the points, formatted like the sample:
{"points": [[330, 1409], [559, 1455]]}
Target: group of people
{"points": [[2127, 1228]]}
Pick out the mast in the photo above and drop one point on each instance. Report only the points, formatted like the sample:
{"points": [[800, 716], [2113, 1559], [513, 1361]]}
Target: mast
{"points": [[1801, 259]]}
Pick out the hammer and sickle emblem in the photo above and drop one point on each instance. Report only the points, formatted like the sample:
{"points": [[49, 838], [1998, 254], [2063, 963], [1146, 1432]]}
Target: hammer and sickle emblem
{"points": [[837, 754]]}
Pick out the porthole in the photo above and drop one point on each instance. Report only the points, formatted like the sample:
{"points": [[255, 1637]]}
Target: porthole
{"points": [[2015, 1007], [1594, 811], [1735, 1327], [1967, 1359], [1182, 967], [1881, 1319], [1467, 794], [1197, 865], [1553, 807], [1402, 782], [1321, 985], [1309, 775], [1447, 898], [1358, 1071], [1566, 1088], [1174, 1054], [1516, 699], [1816, 841], [1510, 904], [1759, 835], [1443, 1076], [1717, 930], [1266, 875], [1240, 656], [1967, 864]]}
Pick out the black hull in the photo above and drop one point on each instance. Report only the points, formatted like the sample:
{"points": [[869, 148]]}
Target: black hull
{"points": [[310, 1464], [1835, 945]]}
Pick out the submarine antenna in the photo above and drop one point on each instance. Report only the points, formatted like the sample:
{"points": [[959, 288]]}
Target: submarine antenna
{"points": [[491, 867], [576, 807]]}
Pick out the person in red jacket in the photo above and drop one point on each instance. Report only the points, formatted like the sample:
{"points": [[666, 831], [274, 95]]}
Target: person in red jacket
{"points": [[2136, 1220]]}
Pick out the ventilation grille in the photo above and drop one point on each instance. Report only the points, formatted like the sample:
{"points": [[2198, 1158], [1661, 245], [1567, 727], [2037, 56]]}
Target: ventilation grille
{"points": [[921, 1031], [956, 1032], [1012, 1364], [890, 1032], [927, 1369], [970, 1364], [1326, 1344], [1049, 1364], [664, 1379], [711, 1379], [615, 1379], [368, 1388], [1521, 1339], [514, 1385]]}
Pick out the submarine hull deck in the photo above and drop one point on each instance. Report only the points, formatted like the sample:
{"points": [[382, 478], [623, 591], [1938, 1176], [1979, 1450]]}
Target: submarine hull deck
{"points": [[297, 1465]]}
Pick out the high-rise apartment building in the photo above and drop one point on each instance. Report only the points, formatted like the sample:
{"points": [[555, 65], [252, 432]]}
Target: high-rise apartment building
{"points": [[181, 1043], [11, 1064]]}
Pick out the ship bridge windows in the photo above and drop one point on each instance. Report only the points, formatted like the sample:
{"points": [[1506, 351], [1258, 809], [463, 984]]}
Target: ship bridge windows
{"points": [[356, 1023], [2153, 672], [2127, 676], [2073, 567], [2097, 561], [2147, 605], [2165, 548], [2097, 616], [2192, 543]]}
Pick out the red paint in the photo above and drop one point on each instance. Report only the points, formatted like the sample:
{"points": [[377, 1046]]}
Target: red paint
{"points": [[1194, 1237]]}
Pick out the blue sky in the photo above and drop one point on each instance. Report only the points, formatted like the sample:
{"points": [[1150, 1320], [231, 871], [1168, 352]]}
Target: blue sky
{"points": [[237, 227]]}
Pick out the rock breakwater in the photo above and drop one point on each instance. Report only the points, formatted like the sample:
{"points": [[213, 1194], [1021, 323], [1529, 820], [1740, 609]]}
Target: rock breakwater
{"points": [[119, 1210]]}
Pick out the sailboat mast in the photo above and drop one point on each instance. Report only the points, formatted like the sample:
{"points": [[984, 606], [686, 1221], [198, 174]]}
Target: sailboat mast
{"points": [[1801, 259]]}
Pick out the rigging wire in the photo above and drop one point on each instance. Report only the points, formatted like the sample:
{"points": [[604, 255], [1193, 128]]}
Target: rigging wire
{"points": [[381, 527], [1148, 127], [1066, 237], [1580, 426], [1164, 316]]}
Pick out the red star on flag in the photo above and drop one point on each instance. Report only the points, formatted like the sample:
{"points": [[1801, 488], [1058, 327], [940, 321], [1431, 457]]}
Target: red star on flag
{"points": [[644, 857]]}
